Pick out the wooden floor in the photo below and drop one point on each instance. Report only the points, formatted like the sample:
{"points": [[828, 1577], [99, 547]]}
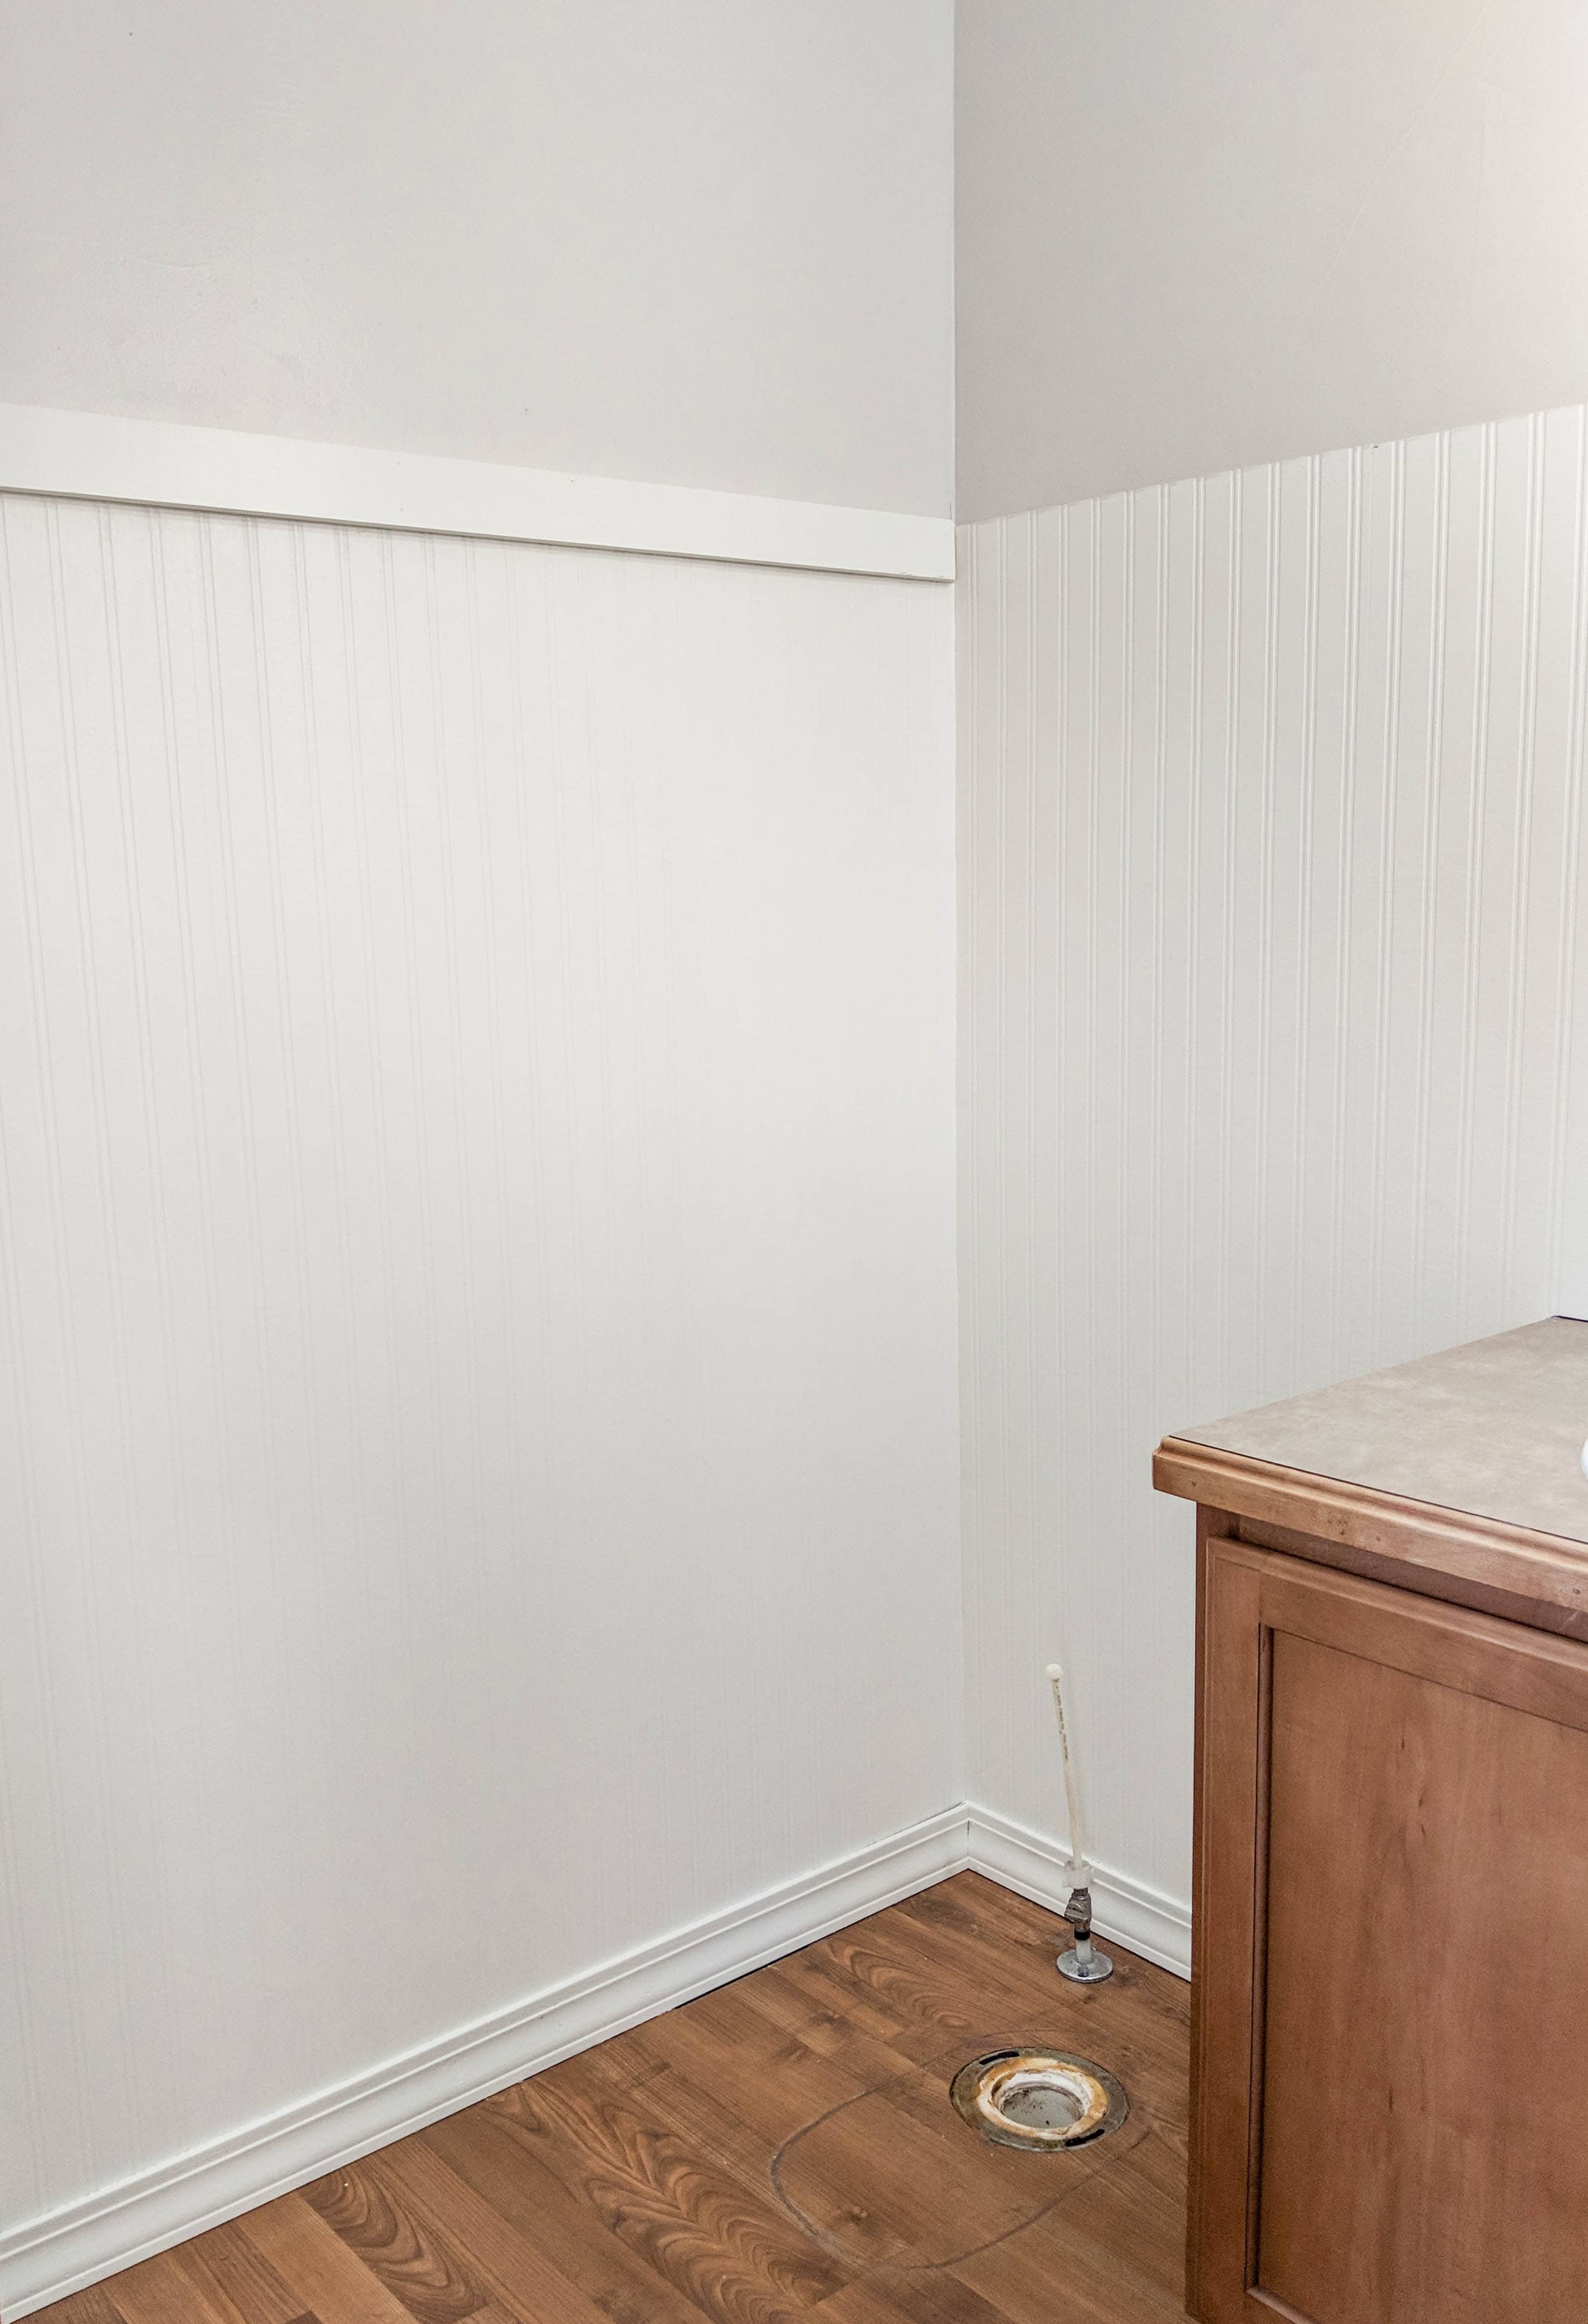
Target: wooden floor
{"points": [[783, 2148]]}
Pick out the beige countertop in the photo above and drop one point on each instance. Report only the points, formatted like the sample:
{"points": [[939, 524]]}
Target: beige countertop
{"points": [[1494, 1429]]}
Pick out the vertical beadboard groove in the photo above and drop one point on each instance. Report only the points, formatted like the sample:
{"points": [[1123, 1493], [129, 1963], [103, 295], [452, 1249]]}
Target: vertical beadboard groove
{"points": [[1473, 853], [1428, 912], [1384, 948], [33, 2177], [87, 2121], [1195, 1045], [477, 1115], [1345, 890], [1033, 887], [1312, 1100], [1569, 1245], [1522, 828], [1003, 1352]]}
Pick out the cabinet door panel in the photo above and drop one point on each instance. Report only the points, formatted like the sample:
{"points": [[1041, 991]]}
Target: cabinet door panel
{"points": [[1425, 2129], [1390, 2102]]}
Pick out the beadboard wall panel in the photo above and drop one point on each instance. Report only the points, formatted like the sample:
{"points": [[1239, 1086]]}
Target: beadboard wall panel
{"points": [[1272, 1007], [476, 1034]]}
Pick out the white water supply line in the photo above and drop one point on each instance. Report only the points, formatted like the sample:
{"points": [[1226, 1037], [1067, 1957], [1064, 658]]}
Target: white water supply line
{"points": [[1083, 1964], [1079, 1867]]}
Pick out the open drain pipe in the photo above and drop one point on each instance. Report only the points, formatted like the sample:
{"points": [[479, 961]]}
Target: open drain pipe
{"points": [[1083, 1964]]}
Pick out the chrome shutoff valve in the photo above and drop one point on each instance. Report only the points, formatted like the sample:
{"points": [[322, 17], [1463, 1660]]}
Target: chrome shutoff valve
{"points": [[1083, 1964]]}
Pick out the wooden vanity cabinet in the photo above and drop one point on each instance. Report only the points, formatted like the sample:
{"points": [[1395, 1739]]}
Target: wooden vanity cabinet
{"points": [[1390, 2097]]}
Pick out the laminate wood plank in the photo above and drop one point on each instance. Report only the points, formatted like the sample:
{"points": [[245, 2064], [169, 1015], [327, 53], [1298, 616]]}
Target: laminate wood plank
{"points": [[859, 2304], [821, 2021], [417, 2267], [768, 2077], [958, 1976], [949, 2011], [483, 2147], [312, 2258], [700, 2113], [227, 2269], [93, 2305], [176, 2287], [609, 2069], [922, 2295], [862, 2302], [1109, 2253], [968, 1917], [884, 2174], [976, 1908], [902, 1981], [882, 2189], [980, 1957], [734, 2254], [840, 1997], [974, 1917], [513, 2270]]}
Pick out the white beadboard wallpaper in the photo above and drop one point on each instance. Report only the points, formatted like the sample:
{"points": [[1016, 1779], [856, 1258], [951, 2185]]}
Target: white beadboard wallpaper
{"points": [[476, 1035], [1274, 1046]]}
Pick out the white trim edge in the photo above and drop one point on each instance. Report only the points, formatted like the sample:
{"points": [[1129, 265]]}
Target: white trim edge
{"points": [[1146, 1920], [46, 2259], [164, 464]]}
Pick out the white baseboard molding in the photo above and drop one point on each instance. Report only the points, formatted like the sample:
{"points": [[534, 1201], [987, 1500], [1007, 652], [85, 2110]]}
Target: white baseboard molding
{"points": [[1156, 1926], [45, 2259], [161, 464]]}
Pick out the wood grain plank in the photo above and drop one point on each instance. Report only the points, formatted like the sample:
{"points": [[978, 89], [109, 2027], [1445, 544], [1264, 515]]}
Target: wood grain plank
{"points": [[735, 2255], [93, 2305], [512, 2269], [929, 2295], [1146, 2015], [483, 2148], [1109, 2253], [314, 2261], [832, 1991], [882, 2189], [766, 2075], [421, 2271], [176, 2287], [865, 2302], [822, 2020], [236, 2278], [1020, 1977], [611, 2068]]}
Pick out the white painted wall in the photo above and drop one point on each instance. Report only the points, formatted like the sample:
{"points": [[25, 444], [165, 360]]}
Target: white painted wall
{"points": [[476, 1034], [1273, 1065], [1192, 236], [685, 241]]}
